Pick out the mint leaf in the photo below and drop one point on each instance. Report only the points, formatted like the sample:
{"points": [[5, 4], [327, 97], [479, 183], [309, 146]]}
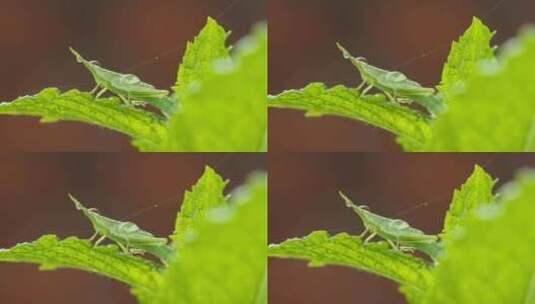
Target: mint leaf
{"points": [[465, 56], [318, 100], [320, 249], [492, 260], [207, 47], [228, 110], [52, 253], [52, 105], [474, 193], [495, 111], [205, 195], [226, 263]]}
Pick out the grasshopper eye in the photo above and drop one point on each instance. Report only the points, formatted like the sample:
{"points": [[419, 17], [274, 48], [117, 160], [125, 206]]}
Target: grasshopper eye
{"points": [[93, 210], [395, 77]]}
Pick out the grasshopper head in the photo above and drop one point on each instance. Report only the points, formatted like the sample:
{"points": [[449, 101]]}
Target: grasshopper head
{"points": [[78, 205], [350, 204], [79, 57], [348, 55], [345, 53]]}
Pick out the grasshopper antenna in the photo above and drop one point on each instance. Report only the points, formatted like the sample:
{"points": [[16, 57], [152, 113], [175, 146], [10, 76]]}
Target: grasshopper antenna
{"points": [[484, 16], [176, 49]]}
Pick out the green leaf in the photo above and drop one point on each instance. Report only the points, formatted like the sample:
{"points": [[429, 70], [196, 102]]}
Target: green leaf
{"points": [[474, 193], [52, 253], [495, 112], [226, 263], [205, 195], [492, 260], [51, 105], [227, 112], [465, 55], [345, 250], [208, 46], [262, 291], [413, 296], [318, 100]]}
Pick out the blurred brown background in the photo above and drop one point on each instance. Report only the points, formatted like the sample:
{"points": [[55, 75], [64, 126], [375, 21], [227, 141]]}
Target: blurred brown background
{"points": [[412, 36], [303, 197], [33, 196], [125, 35]]}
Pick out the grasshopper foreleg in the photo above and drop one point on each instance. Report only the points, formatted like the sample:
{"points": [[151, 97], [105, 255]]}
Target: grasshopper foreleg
{"points": [[100, 93], [95, 89], [93, 237], [369, 238], [102, 238], [367, 89]]}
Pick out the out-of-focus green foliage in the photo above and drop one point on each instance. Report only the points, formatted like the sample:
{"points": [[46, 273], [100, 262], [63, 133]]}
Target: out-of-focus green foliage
{"points": [[208, 46], [476, 192], [465, 55], [203, 197], [228, 112]]}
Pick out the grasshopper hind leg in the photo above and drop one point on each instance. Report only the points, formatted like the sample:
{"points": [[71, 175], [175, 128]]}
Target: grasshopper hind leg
{"points": [[392, 98], [139, 103], [125, 100], [406, 249], [394, 245], [123, 248]]}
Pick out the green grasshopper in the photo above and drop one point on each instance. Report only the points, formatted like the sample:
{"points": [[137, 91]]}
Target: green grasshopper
{"points": [[129, 237], [398, 233], [128, 87], [395, 85]]}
